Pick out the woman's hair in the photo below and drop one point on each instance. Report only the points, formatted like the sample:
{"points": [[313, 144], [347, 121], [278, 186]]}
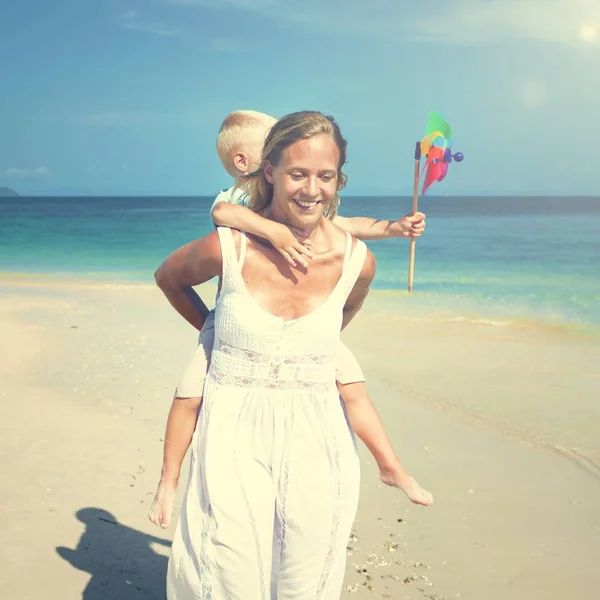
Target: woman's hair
{"points": [[287, 131]]}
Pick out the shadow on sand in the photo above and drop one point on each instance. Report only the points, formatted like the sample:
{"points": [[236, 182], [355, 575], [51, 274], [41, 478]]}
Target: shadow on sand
{"points": [[120, 559]]}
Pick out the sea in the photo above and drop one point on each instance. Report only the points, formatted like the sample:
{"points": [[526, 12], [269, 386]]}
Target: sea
{"points": [[497, 260]]}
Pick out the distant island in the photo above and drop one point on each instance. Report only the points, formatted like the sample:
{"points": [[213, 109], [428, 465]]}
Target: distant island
{"points": [[7, 193]]}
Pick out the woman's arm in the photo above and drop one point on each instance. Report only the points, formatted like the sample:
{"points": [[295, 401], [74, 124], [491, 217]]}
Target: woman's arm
{"points": [[360, 290], [190, 265]]}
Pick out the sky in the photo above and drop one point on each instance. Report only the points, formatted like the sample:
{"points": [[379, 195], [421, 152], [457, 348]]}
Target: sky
{"points": [[120, 97]]}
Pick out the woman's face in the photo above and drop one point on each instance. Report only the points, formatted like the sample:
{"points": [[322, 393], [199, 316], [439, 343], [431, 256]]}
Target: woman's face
{"points": [[305, 181]]}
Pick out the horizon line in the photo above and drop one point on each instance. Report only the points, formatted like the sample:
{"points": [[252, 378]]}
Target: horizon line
{"points": [[378, 195]]}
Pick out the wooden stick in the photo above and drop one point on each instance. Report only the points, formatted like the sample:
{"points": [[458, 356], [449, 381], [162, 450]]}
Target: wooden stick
{"points": [[413, 241]]}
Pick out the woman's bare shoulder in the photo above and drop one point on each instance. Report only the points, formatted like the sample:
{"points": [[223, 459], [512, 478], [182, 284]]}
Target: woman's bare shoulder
{"points": [[336, 236], [237, 240]]}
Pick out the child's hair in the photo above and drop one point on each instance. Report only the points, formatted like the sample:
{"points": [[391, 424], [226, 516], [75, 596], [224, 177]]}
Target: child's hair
{"points": [[288, 130], [235, 128]]}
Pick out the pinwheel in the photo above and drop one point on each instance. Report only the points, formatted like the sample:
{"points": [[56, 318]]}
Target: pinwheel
{"points": [[436, 148]]}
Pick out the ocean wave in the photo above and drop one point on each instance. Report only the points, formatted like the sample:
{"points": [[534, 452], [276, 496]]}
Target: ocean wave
{"points": [[466, 320]]}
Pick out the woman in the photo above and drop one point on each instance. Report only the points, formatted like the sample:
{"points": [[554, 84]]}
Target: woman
{"points": [[273, 486]]}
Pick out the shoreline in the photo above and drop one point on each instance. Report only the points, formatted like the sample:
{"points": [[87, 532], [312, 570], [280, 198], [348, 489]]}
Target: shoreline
{"points": [[404, 306]]}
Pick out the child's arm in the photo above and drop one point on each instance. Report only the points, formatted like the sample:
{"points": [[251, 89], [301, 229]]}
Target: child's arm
{"points": [[365, 228], [279, 235]]}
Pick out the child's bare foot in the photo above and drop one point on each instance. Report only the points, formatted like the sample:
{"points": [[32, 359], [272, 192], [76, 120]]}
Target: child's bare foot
{"points": [[403, 481], [162, 505]]}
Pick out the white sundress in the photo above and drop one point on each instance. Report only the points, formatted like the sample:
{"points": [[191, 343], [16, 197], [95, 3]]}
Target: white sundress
{"points": [[274, 475]]}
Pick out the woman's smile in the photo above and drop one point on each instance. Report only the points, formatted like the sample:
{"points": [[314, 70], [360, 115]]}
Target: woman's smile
{"points": [[306, 205]]}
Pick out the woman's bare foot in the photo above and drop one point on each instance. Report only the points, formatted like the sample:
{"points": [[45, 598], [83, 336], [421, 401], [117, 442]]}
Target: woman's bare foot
{"points": [[162, 505], [402, 480]]}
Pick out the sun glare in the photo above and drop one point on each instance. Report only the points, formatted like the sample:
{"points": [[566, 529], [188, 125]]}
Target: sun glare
{"points": [[588, 32]]}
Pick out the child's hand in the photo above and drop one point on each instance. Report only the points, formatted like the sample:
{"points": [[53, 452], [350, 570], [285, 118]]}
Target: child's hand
{"points": [[409, 226], [285, 242]]}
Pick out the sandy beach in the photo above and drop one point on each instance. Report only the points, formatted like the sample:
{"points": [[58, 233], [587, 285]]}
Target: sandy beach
{"points": [[500, 423]]}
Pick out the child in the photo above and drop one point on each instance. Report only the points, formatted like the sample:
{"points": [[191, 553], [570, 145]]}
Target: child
{"points": [[239, 146]]}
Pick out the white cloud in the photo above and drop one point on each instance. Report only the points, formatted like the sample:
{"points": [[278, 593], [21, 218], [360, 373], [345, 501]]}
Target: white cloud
{"points": [[248, 4], [16, 172], [131, 20], [33, 172], [554, 21], [572, 22]]}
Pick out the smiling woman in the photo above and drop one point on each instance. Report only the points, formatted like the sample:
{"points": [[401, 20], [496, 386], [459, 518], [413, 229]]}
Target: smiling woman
{"points": [[304, 156], [273, 487]]}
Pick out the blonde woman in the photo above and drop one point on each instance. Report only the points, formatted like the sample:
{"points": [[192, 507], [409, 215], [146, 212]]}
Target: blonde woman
{"points": [[274, 477]]}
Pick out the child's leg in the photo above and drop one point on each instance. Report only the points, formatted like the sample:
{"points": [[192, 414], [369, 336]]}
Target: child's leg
{"points": [[368, 426], [181, 423]]}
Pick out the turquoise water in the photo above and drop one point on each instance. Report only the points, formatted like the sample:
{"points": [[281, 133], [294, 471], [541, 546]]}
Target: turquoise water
{"points": [[498, 259]]}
